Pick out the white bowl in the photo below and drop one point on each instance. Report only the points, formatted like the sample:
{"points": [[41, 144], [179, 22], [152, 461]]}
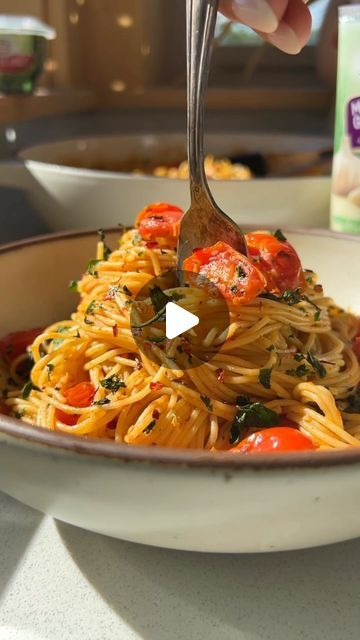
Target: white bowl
{"points": [[179, 499], [71, 198]]}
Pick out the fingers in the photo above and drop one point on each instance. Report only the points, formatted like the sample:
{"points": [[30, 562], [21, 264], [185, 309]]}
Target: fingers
{"points": [[284, 23], [294, 28]]}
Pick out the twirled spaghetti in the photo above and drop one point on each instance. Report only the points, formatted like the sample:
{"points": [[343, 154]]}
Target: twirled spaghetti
{"points": [[293, 356]]}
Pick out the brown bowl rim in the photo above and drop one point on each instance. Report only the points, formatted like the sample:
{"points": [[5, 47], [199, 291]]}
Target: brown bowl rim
{"points": [[172, 457]]}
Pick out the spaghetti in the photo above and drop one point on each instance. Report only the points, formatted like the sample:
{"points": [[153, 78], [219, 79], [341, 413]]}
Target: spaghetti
{"points": [[287, 354]]}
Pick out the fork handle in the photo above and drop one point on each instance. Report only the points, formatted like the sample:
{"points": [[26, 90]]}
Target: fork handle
{"points": [[200, 27]]}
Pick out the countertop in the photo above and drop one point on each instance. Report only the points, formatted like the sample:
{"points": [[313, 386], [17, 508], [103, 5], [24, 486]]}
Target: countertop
{"points": [[62, 583]]}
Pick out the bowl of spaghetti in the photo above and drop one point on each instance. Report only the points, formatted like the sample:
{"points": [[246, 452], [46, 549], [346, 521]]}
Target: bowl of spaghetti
{"points": [[251, 444]]}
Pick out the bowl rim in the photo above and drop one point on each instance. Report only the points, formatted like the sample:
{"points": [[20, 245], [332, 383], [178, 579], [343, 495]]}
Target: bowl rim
{"points": [[97, 448]]}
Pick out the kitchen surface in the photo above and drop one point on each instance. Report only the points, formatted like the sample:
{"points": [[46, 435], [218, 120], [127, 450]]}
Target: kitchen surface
{"points": [[58, 582]]}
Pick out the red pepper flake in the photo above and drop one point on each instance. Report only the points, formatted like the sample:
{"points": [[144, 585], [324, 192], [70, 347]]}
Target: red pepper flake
{"points": [[151, 245], [220, 373], [318, 288], [156, 386], [197, 249], [115, 330], [112, 424], [156, 414]]}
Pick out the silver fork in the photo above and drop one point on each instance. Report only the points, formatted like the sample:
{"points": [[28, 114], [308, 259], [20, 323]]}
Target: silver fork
{"points": [[204, 223]]}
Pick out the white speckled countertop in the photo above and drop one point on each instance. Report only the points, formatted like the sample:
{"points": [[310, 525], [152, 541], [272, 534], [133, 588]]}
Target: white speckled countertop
{"points": [[62, 583]]}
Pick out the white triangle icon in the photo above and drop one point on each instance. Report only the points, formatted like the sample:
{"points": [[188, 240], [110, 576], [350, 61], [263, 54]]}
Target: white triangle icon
{"points": [[178, 320]]}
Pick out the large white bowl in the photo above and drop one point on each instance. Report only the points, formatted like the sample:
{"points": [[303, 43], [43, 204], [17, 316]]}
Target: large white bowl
{"points": [[179, 499], [71, 198]]}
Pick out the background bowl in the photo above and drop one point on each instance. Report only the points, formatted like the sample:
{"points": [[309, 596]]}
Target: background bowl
{"points": [[179, 499], [69, 197]]}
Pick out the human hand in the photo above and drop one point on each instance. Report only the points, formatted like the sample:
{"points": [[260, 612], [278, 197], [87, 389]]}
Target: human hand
{"points": [[284, 23]]}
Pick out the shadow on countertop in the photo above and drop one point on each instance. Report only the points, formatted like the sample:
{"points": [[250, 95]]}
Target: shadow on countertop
{"points": [[162, 594]]}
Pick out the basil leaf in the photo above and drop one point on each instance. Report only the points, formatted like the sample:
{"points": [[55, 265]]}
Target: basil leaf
{"points": [[316, 364], [254, 415], [113, 383], [278, 234], [207, 402], [159, 299], [27, 389], [265, 378], [90, 268], [73, 285]]}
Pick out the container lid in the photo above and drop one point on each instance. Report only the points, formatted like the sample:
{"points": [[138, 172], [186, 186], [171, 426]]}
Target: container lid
{"points": [[25, 25]]}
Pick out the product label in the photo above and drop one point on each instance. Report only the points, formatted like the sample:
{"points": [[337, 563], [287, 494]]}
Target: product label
{"points": [[15, 54], [353, 121]]}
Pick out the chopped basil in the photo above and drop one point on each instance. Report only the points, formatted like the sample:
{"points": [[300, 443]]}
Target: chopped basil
{"points": [[19, 414], [240, 272], [150, 427], [27, 388], [158, 339], [207, 402], [113, 383], [265, 378], [271, 348], [316, 364], [88, 321], [102, 401], [159, 299], [107, 249], [354, 402], [279, 235], [289, 296], [50, 369], [299, 356], [91, 308], [233, 288], [90, 268], [73, 285], [299, 372], [317, 315], [251, 415]]}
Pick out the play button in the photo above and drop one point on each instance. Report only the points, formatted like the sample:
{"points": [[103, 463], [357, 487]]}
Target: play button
{"points": [[178, 320]]}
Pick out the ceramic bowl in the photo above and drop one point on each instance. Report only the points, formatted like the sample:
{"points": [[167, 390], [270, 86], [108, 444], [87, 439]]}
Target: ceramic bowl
{"points": [[178, 499], [69, 197]]}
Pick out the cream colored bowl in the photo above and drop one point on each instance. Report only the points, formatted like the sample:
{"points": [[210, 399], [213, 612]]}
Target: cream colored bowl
{"points": [[178, 499], [67, 197]]}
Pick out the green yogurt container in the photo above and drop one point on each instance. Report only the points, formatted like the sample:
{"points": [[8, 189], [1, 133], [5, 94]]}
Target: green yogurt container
{"points": [[23, 47]]}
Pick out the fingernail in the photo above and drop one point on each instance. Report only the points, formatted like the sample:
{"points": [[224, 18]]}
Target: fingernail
{"points": [[257, 14], [285, 38]]}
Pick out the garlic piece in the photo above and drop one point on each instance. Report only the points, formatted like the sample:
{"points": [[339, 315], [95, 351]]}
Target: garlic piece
{"points": [[346, 170]]}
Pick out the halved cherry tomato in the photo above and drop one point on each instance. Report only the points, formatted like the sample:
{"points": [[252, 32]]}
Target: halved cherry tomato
{"points": [[80, 395], [66, 418], [277, 260], [234, 275], [14, 344], [273, 440], [159, 220]]}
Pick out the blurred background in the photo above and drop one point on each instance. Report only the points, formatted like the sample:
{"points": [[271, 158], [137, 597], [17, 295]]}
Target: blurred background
{"points": [[118, 67]]}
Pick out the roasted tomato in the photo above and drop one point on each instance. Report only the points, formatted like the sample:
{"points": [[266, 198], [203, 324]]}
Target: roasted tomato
{"points": [[277, 260], [159, 220], [273, 440], [234, 275], [15, 344], [80, 395], [66, 418]]}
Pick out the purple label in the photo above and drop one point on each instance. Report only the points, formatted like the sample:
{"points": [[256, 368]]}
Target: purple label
{"points": [[353, 121]]}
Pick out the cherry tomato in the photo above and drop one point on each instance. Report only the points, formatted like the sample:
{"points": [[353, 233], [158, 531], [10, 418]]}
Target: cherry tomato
{"points": [[273, 440], [80, 395], [234, 275], [14, 344], [66, 418], [277, 260], [159, 220]]}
